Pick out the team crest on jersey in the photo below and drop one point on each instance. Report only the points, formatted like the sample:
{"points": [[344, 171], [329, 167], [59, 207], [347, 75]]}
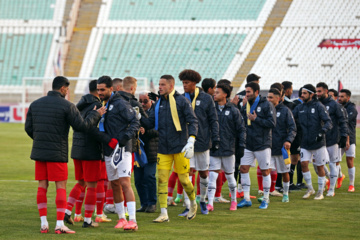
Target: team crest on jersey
{"points": [[227, 112], [258, 109], [327, 108], [111, 107], [278, 114], [197, 102], [313, 110]]}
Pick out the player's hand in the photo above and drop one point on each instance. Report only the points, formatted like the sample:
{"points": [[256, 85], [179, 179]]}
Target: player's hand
{"points": [[319, 137], [142, 130], [244, 101], [101, 110], [347, 145], [239, 155], [342, 142], [287, 145], [113, 143], [252, 117], [235, 100], [215, 146], [189, 148]]}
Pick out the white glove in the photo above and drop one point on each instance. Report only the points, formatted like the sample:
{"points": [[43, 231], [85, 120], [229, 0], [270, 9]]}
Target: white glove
{"points": [[138, 114], [189, 148]]}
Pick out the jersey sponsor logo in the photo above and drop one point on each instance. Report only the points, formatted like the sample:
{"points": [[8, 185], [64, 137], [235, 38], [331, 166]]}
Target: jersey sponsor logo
{"points": [[327, 108], [313, 110], [197, 103], [278, 114], [111, 107], [271, 112], [258, 109], [227, 112]]}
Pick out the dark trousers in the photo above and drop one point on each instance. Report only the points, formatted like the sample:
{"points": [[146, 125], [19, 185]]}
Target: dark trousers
{"points": [[145, 183]]}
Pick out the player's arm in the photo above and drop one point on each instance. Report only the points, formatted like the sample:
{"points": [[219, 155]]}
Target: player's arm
{"points": [[28, 123], [269, 121], [291, 127], [342, 121], [324, 116], [77, 122], [240, 127], [213, 121], [133, 122], [190, 118], [149, 123]]}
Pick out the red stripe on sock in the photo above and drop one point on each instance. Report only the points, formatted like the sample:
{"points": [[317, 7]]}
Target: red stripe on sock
{"points": [[100, 197], [109, 196], [79, 201], [273, 175], [73, 196]]}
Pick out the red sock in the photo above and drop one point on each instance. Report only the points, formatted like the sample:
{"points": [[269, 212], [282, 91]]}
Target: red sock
{"points": [[219, 184], [109, 196], [100, 197], [79, 202], [273, 175], [60, 202], [172, 182], [42, 201], [179, 187], [198, 184], [73, 196], [90, 201], [259, 178], [193, 179], [223, 178]]}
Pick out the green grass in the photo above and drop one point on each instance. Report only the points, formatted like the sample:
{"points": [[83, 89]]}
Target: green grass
{"points": [[331, 218]]}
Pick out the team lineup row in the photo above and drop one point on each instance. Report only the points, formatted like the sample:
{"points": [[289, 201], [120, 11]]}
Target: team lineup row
{"points": [[200, 130]]}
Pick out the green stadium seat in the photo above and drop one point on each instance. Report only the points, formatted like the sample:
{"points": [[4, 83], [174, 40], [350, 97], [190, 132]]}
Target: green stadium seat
{"points": [[27, 9]]}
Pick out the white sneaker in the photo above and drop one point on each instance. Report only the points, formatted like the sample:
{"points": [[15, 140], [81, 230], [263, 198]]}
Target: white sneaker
{"points": [[319, 196], [109, 208], [260, 192], [221, 200], [192, 212], [276, 193], [162, 218], [330, 194], [309, 193]]}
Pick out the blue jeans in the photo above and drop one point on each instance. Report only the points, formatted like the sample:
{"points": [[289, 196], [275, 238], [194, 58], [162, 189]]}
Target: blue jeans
{"points": [[145, 183]]}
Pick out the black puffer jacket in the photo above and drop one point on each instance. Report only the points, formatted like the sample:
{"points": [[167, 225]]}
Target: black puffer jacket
{"points": [[231, 125], [86, 145], [206, 114], [47, 123], [151, 141], [352, 116], [339, 128], [314, 119], [170, 140], [120, 123], [134, 103], [259, 134], [285, 129]]}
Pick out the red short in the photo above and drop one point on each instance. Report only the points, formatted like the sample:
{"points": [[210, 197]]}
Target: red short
{"points": [[51, 171], [89, 171], [103, 175]]}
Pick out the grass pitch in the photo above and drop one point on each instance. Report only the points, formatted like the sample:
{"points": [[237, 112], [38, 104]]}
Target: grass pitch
{"points": [[331, 218]]}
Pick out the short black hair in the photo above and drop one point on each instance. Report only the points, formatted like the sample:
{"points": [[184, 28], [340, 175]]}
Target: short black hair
{"points": [[226, 82], [346, 91], [309, 87], [191, 75], [300, 90], [208, 83], [105, 79], [252, 77], [92, 85], [60, 82], [277, 85], [334, 91], [287, 85], [323, 85], [226, 89], [167, 77], [274, 91], [254, 86]]}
